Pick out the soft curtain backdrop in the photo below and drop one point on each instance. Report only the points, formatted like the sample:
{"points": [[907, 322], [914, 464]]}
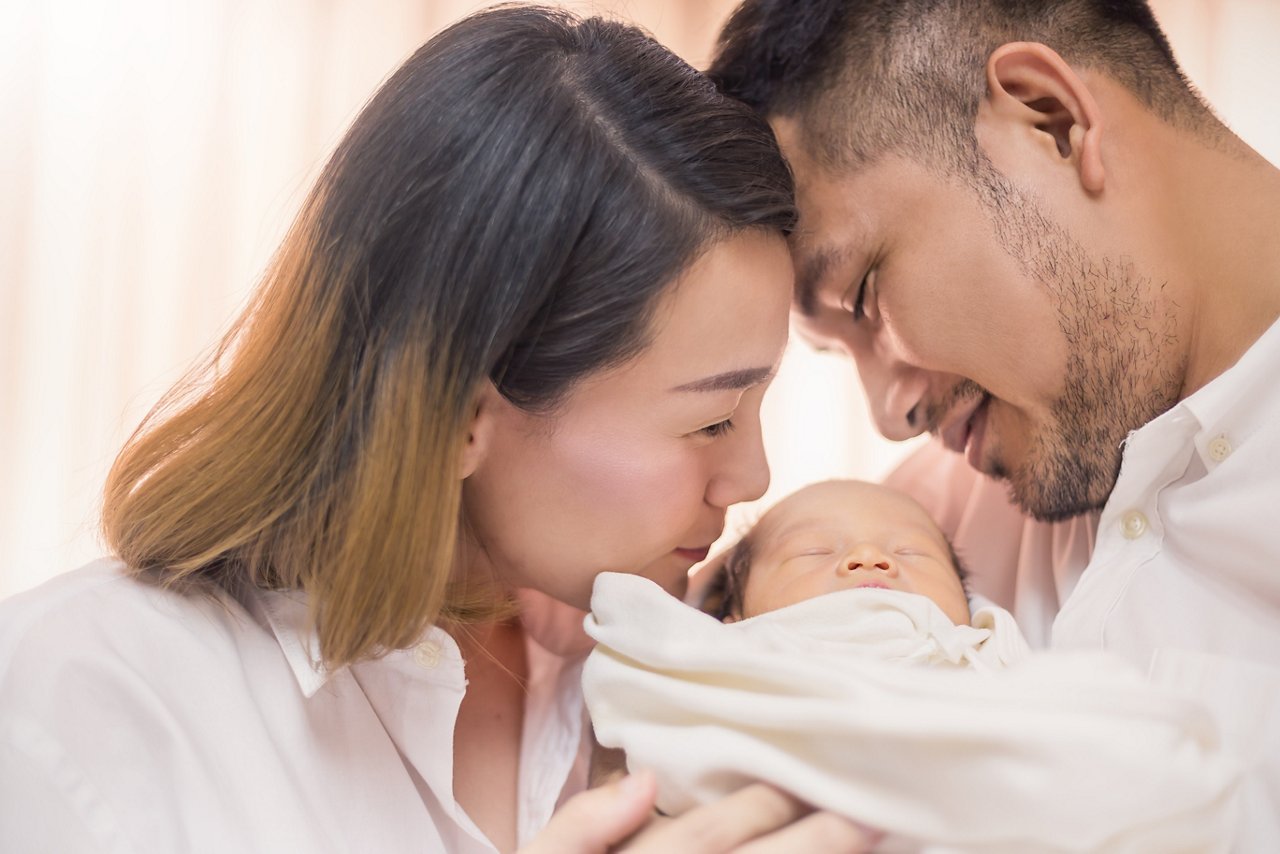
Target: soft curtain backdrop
{"points": [[152, 155]]}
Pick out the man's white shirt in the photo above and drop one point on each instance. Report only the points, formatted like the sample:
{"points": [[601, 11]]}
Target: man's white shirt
{"points": [[1179, 574], [1185, 574]]}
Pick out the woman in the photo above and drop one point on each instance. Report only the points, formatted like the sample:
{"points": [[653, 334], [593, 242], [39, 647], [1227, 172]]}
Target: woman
{"points": [[518, 336]]}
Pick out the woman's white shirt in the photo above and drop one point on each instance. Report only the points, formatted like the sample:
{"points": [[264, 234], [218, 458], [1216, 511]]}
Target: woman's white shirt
{"points": [[134, 719]]}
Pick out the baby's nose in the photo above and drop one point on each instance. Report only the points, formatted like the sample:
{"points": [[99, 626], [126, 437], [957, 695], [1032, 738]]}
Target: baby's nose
{"points": [[869, 558]]}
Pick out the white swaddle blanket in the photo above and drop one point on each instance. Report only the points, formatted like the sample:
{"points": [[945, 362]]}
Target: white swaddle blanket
{"points": [[987, 747]]}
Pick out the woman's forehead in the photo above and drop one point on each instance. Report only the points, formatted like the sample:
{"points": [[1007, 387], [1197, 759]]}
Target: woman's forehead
{"points": [[722, 324]]}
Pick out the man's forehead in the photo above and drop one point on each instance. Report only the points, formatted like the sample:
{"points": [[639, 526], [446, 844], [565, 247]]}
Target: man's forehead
{"points": [[838, 222]]}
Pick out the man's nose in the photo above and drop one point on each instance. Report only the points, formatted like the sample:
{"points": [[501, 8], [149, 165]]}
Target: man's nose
{"points": [[896, 397]]}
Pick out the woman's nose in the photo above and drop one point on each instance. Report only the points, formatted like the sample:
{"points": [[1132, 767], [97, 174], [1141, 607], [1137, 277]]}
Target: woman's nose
{"points": [[744, 471]]}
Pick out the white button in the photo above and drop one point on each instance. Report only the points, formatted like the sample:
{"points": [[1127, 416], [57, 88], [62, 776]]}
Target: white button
{"points": [[427, 654], [1219, 449], [1133, 525]]}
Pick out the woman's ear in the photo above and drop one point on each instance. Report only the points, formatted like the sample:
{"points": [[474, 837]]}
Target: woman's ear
{"points": [[480, 432], [1032, 90]]}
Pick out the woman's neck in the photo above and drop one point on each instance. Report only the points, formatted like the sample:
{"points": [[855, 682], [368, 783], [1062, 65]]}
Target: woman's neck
{"points": [[487, 735]]}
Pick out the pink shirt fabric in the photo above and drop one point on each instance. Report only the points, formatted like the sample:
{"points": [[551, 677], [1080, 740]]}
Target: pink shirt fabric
{"points": [[1027, 567]]}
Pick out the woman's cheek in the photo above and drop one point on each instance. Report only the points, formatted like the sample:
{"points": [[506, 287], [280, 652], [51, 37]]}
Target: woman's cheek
{"points": [[643, 480]]}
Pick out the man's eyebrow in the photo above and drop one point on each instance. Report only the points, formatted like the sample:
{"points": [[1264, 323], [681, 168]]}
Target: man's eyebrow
{"points": [[811, 269], [729, 380]]}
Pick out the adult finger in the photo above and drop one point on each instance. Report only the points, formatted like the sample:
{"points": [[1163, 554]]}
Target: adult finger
{"points": [[594, 821], [751, 812], [821, 831]]}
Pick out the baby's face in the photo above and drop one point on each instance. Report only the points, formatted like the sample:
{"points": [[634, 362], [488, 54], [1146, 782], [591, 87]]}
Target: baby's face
{"points": [[841, 535]]}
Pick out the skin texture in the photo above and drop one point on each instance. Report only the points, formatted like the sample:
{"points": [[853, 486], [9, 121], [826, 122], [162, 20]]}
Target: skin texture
{"points": [[842, 535], [635, 465], [1035, 314], [639, 462]]}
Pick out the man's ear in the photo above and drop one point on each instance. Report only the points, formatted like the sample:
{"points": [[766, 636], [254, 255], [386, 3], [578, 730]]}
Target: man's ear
{"points": [[480, 432], [1031, 87]]}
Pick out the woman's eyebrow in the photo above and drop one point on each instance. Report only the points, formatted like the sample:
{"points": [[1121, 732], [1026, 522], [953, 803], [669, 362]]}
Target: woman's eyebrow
{"points": [[729, 380]]}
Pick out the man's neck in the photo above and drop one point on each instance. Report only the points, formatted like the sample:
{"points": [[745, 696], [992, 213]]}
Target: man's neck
{"points": [[1223, 207]]}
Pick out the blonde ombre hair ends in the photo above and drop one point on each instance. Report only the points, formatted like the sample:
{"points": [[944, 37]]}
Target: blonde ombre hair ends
{"points": [[272, 477], [507, 209]]}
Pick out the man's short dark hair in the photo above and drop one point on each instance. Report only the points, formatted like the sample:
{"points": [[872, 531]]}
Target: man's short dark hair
{"points": [[869, 77]]}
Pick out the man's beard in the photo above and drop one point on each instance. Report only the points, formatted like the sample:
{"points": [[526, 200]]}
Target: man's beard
{"points": [[1072, 462], [1123, 366]]}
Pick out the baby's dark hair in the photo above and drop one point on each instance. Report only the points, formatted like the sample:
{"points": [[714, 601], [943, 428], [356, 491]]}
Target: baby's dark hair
{"points": [[725, 597]]}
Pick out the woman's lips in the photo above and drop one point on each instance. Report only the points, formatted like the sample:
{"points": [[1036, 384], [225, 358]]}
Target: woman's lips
{"points": [[876, 584], [694, 555]]}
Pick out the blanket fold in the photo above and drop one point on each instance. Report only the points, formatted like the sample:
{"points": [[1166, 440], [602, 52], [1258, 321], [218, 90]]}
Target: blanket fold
{"points": [[872, 704]]}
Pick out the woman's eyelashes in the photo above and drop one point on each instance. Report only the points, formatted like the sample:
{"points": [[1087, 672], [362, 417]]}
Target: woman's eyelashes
{"points": [[720, 428]]}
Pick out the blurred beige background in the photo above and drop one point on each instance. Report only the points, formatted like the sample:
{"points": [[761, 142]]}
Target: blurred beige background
{"points": [[152, 154]]}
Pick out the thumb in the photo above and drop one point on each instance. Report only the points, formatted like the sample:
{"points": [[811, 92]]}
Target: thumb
{"points": [[591, 822]]}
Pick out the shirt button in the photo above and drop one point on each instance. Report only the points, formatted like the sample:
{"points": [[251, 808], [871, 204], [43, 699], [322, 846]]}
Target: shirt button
{"points": [[1133, 525], [427, 654], [1219, 449]]}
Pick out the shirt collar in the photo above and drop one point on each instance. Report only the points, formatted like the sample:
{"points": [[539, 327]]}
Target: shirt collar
{"points": [[1227, 404], [552, 625], [285, 614]]}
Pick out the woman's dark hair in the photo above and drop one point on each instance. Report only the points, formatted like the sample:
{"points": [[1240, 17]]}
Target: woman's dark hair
{"points": [[508, 207]]}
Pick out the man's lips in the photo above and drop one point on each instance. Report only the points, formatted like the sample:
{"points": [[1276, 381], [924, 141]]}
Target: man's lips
{"points": [[955, 428], [879, 585]]}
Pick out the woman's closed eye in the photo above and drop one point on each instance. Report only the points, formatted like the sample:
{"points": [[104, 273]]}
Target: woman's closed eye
{"points": [[720, 428]]}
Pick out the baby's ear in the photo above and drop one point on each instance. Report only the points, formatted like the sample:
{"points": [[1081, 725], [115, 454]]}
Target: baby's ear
{"points": [[732, 618], [709, 587]]}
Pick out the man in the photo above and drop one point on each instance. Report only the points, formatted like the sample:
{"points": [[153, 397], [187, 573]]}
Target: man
{"points": [[1040, 245]]}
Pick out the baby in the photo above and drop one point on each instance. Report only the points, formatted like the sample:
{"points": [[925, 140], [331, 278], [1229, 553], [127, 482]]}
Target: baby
{"points": [[840, 535], [976, 745]]}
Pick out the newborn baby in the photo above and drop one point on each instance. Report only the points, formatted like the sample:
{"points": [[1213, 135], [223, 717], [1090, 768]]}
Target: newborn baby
{"points": [[841, 535], [850, 671], [844, 535]]}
